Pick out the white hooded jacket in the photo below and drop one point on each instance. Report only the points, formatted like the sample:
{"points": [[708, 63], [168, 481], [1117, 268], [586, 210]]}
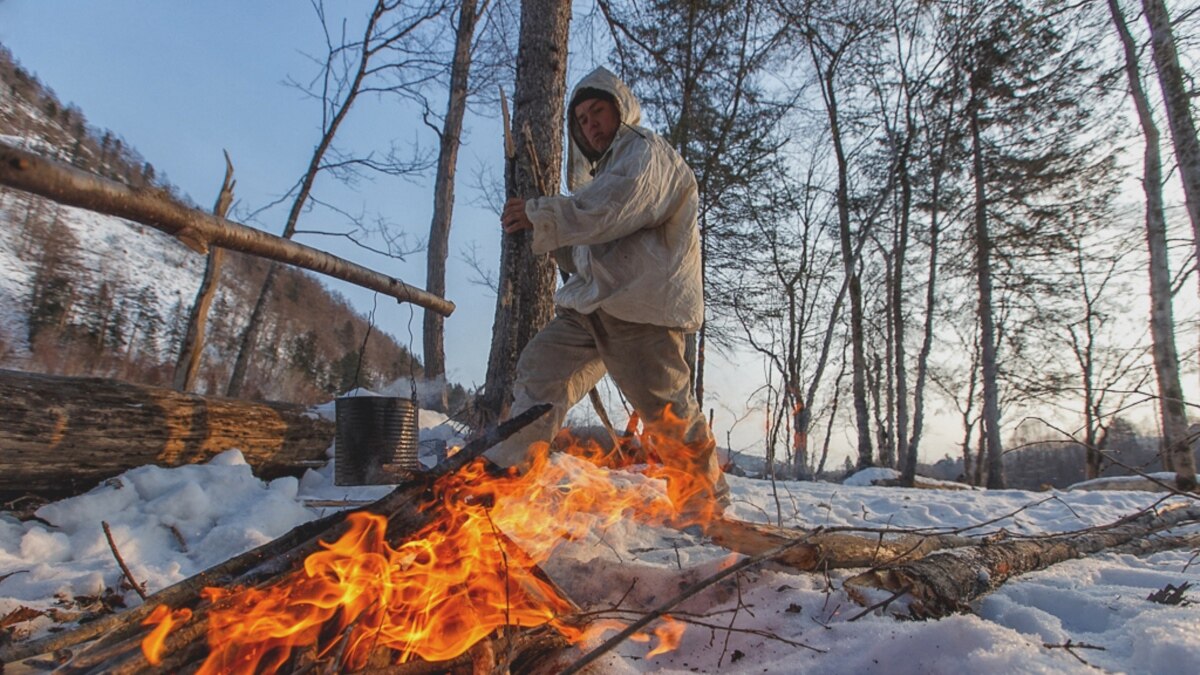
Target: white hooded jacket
{"points": [[628, 233]]}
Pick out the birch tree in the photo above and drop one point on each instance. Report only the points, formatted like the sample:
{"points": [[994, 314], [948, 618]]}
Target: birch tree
{"points": [[1177, 96], [1176, 450]]}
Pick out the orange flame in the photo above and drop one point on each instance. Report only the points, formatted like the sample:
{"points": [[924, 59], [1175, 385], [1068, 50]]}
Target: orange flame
{"points": [[163, 620], [669, 634], [455, 582]]}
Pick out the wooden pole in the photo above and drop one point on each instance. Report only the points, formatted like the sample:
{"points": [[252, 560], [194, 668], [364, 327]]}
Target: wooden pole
{"points": [[197, 230], [188, 363]]}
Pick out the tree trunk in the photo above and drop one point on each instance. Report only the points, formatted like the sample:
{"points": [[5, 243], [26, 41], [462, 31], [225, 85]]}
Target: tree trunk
{"points": [[1176, 450], [813, 551], [987, 330], [61, 436], [188, 363], [433, 334], [1177, 97], [524, 303], [944, 583], [907, 463], [850, 268]]}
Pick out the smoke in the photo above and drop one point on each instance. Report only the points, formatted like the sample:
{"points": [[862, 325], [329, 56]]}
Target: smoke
{"points": [[427, 391]]}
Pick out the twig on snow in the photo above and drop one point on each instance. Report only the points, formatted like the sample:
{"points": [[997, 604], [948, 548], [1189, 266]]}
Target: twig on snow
{"points": [[882, 604], [117, 554], [1070, 648], [688, 592]]}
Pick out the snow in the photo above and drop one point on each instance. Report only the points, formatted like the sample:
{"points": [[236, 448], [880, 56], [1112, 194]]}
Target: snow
{"points": [[170, 524], [138, 261]]}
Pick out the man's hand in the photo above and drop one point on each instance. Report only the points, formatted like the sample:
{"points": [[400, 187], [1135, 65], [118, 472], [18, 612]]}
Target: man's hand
{"points": [[513, 218]]}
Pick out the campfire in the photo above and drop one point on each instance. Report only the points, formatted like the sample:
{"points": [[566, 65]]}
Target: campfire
{"points": [[369, 600]]}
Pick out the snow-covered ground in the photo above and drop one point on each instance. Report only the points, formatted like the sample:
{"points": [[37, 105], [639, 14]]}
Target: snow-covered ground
{"points": [[169, 524]]}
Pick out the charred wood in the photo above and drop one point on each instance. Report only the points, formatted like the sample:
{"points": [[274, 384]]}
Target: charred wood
{"points": [[118, 648]]}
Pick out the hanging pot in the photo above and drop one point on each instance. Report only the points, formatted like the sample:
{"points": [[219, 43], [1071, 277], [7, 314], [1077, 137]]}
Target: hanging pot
{"points": [[376, 440]]}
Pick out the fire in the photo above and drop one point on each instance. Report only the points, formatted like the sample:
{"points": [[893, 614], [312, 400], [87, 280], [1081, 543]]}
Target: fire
{"points": [[163, 620], [469, 572], [669, 635]]}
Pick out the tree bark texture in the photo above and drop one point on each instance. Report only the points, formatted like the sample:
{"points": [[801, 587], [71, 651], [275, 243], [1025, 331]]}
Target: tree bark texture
{"points": [[1177, 97], [946, 582], [188, 364], [524, 303], [433, 330], [987, 328], [67, 185], [60, 435], [826, 550], [1176, 449]]}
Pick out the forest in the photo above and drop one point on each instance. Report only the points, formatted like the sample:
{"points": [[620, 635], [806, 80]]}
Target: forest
{"points": [[975, 210], [908, 213]]}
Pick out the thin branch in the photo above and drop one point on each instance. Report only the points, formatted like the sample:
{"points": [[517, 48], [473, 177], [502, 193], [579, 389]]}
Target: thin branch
{"points": [[688, 592], [112, 545]]}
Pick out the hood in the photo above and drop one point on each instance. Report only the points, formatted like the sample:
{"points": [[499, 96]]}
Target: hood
{"points": [[628, 108]]}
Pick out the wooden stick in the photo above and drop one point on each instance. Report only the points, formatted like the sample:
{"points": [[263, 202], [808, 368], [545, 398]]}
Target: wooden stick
{"points": [[688, 592], [510, 148], [112, 545], [198, 230]]}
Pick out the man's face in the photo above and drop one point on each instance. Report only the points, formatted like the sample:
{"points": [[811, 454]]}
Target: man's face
{"points": [[598, 121]]}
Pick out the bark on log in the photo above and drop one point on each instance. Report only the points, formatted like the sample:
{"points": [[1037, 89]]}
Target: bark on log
{"points": [[61, 435], [826, 550], [198, 230], [944, 583], [119, 648]]}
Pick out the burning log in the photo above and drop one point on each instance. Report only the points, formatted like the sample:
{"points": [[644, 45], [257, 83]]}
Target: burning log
{"points": [[63, 435], [945, 583], [205, 617]]}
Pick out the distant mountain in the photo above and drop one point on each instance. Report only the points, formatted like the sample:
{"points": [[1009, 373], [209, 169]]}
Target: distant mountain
{"points": [[87, 294]]}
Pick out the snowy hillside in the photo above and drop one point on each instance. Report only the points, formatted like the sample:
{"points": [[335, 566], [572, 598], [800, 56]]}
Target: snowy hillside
{"points": [[144, 262]]}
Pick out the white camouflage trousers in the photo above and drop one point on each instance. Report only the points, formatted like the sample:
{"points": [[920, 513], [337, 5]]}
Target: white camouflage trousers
{"points": [[570, 355]]}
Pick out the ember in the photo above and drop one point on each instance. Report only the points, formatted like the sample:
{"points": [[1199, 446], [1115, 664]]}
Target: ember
{"points": [[472, 570]]}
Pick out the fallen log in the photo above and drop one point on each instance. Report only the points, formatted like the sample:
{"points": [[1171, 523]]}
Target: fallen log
{"points": [[812, 551], [407, 509], [60, 436], [197, 230], [945, 583]]}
